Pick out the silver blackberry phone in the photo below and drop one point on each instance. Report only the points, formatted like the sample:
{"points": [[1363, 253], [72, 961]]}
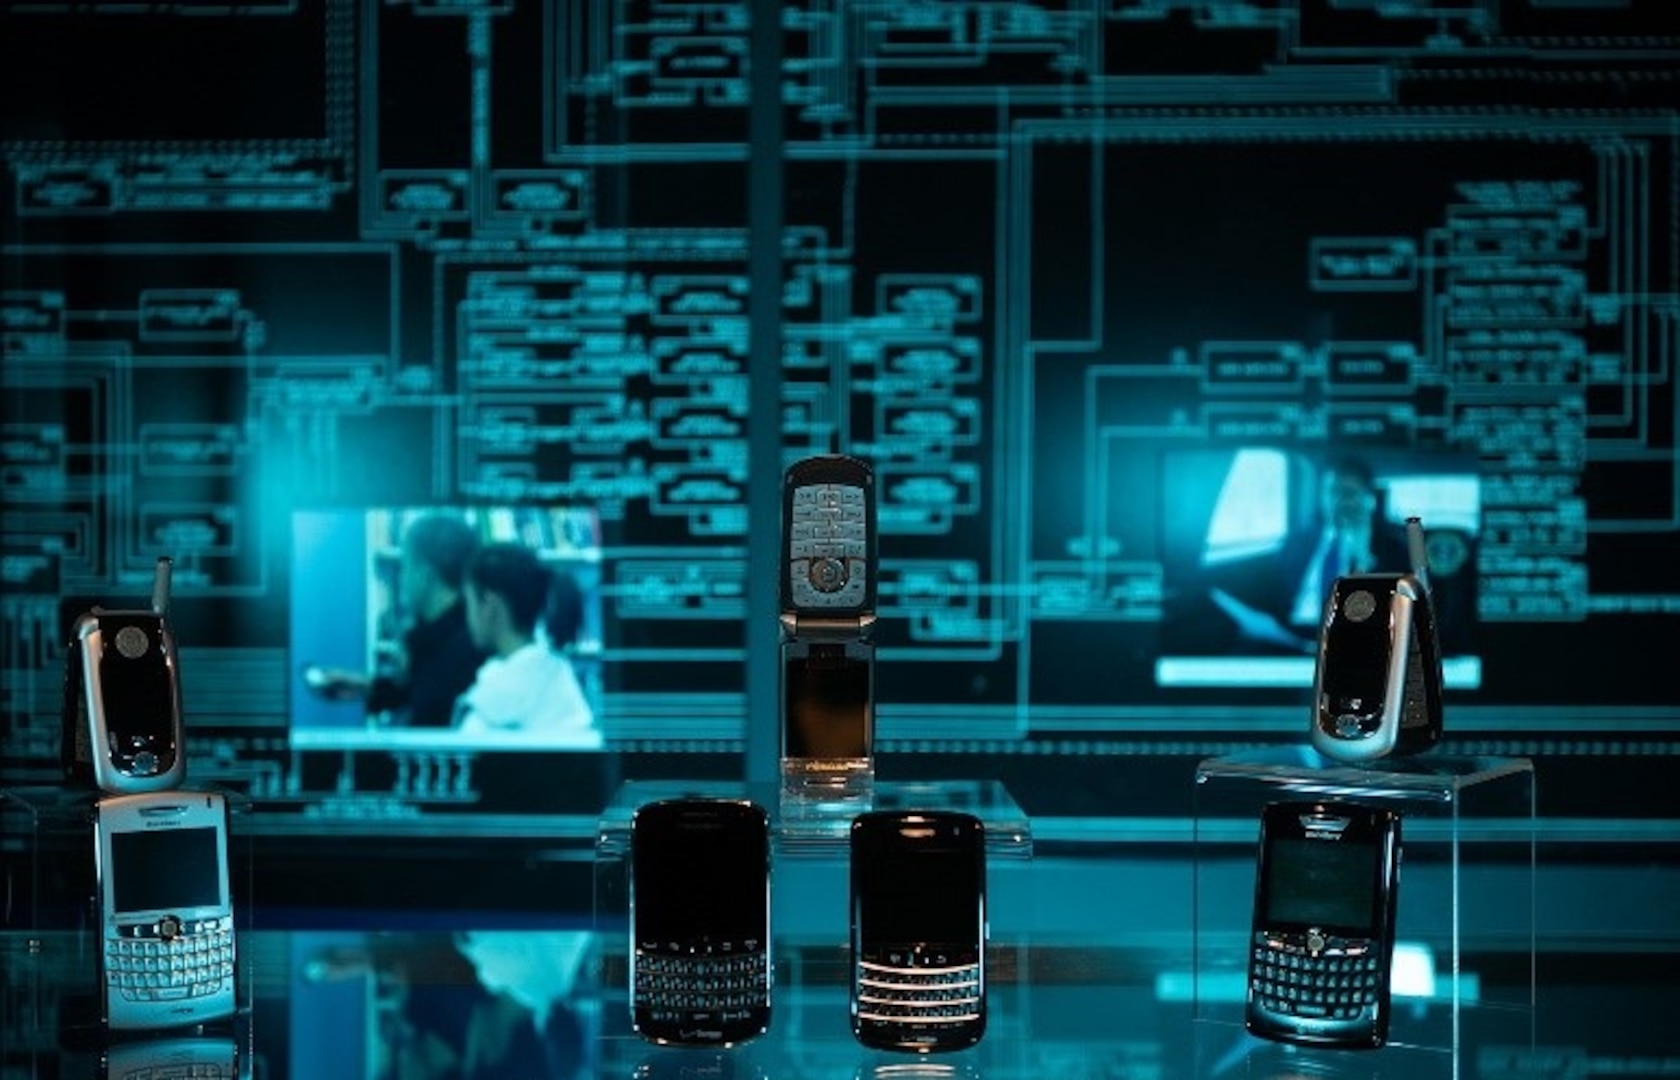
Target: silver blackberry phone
{"points": [[166, 909]]}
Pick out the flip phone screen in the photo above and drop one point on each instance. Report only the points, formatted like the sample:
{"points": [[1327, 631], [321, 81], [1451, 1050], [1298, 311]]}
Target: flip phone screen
{"points": [[1355, 696], [133, 666], [699, 893], [918, 930], [1323, 936], [828, 594], [828, 701]]}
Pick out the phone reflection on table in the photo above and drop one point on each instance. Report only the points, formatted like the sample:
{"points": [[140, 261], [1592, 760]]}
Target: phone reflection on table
{"points": [[693, 1064], [202, 1057], [475, 1005], [899, 1068], [1278, 1061]]}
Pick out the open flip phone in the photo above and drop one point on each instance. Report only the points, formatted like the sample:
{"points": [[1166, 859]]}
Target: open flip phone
{"points": [[1378, 681], [828, 588], [1323, 931], [700, 921], [918, 892], [166, 909], [122, 728]]}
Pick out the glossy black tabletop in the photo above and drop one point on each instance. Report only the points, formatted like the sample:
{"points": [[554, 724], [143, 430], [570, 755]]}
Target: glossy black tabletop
{"points": [[1105, 960], [529, 1001]]}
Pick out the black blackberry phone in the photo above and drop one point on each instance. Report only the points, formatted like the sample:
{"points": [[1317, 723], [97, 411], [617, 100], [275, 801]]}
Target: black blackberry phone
{"points": [[700, 921], [122, 728], [918, 915], [1323, 932]]}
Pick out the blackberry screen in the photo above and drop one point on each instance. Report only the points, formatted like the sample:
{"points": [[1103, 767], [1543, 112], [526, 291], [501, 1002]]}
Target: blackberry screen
{"points": [[698, 873], [918, 881], [1330, 884], [165, 870]]}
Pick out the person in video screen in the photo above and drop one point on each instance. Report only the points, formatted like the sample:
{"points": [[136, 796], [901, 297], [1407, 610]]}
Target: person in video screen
{"points": [[524, 615], [438, 659], [1347, 536]]}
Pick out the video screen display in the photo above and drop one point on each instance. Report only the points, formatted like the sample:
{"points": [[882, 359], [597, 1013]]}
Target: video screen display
{"points": [[1253, 539], [459, 628]]}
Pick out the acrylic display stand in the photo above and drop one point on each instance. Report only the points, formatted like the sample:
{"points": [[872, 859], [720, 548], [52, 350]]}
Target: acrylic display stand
{"points": [[810, 925], [1463, 975], [49, 921]]}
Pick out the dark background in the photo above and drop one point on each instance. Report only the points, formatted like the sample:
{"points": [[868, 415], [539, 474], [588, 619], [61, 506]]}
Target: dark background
{"points": [[268, 255]]}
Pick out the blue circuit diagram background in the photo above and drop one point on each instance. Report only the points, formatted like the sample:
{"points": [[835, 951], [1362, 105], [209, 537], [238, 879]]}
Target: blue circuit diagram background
{"points": [[262, 256]]}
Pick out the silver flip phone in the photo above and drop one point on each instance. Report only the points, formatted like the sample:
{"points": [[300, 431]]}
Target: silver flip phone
{"points": [[122, 728], [1377, 688], [828, 588]]}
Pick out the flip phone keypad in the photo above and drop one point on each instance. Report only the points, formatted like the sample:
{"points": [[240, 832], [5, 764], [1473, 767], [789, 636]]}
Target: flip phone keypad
{"points": [[195, 961], [1338, 982], [728, 983], [828, 546], [916, 986]]}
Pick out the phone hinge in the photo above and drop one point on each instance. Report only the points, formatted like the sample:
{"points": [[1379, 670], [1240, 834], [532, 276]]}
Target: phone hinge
{"points": [[807, 627]]}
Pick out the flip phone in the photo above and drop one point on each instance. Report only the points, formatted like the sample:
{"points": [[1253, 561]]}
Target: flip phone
{"points": [[1323, 932], [828, 590], [166, 909], [122, 728], [918, 924], [700, 921], [1378, 681]]}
